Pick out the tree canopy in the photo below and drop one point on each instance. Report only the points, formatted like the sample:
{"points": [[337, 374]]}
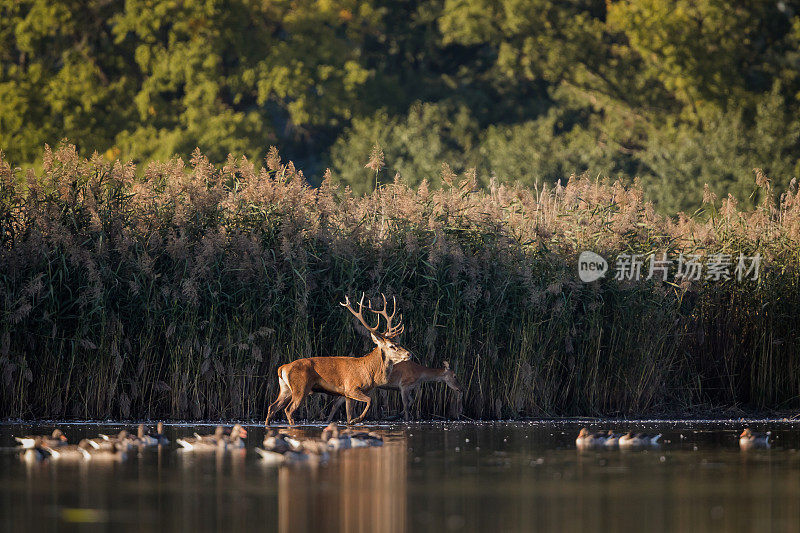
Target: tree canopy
{"points": [[676, 93]]}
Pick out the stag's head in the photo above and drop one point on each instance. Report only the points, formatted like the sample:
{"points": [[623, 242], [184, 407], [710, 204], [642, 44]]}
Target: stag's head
{"points": [[386, 339]]}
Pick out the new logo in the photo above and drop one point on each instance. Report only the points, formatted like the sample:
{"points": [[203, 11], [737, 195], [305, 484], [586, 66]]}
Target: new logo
{"points": [[591, 266]]}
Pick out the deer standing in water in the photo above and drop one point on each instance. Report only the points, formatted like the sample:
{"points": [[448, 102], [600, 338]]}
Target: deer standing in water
{"points": [[351, 377], [406, 377]]}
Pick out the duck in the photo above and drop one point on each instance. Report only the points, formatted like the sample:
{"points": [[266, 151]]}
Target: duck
{"points": [[94, 444], [272, 457], [281, 449], [336, 440], [749, 440], [314, 447], [278, 442], [234, 440], [365, 439], [651, 440], [54, 440], [35, 454], [274, 438], [638, 440], [122, 440], [586, 440], [612, 440], [159, 437], [68, 452], [151, 439], [293, 442], [219, 434], [143, 439], [112, 451], [207, 443]]}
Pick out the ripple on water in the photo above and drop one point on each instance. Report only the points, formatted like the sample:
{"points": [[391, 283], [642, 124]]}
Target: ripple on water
{"points": [[429, 476]]}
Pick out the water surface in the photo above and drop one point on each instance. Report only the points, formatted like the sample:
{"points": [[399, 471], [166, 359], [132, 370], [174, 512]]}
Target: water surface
{"points": [[427, 477]]}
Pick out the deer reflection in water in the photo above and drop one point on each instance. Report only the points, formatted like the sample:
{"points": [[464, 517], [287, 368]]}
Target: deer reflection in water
{"points": [[361, 490]]}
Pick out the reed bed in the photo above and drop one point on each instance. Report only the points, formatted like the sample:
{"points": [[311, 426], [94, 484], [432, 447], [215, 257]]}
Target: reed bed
{"points": [[175, 291]]}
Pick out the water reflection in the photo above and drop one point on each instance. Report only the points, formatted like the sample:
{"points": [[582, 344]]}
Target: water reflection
{"points": [[504, 477], [360, 490]]}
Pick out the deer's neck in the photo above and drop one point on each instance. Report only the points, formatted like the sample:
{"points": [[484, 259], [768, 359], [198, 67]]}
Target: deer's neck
{"points": [[431, 374], [378, 366]]}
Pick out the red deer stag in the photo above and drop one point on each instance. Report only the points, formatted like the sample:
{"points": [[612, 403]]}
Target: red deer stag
{"points": [[351, 377], [406, 377]]}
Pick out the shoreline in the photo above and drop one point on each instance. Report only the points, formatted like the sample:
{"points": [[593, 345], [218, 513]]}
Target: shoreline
{"points": [[421, 423]]}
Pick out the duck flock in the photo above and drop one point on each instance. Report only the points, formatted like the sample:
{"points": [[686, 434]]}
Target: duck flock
{"points": [[610, 440], [278, 448]]}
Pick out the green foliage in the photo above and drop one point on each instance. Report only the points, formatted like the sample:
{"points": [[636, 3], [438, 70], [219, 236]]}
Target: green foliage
{"points": [[149, 79], [549, 149], [680, 160], [414, 145], [711, 55], [62, 75], [677, 94]]}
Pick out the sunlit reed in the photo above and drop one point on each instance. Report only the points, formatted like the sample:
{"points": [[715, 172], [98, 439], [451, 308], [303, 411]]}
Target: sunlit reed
{"points": [[177, 290]]}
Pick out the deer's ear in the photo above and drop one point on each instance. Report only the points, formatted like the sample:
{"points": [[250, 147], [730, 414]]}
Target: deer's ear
{"points": [[447, 365], [375, 339]]}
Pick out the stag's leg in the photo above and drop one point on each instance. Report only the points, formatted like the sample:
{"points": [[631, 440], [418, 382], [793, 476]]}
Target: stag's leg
{"points": [[336, 405], [277, 405], [348, 408], [284, 396], [296, 401], [299, 392], [361, 397]]}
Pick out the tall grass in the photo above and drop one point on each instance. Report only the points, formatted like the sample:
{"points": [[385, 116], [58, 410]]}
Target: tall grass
{"points": [[176, 292]]}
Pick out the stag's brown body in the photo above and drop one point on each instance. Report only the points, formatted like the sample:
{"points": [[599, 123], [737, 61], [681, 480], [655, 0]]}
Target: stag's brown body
{"points": [[339, 374], [350, 377]]}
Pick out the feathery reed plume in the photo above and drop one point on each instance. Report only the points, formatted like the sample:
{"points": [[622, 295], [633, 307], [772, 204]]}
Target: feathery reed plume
{"points": [[177, 293]]}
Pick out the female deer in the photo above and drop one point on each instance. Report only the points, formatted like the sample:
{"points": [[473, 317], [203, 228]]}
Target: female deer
{"points": [[405, 377]]}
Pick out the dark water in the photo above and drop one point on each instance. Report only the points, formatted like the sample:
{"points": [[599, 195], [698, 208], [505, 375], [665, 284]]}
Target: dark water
{"points": [[427, 477]]}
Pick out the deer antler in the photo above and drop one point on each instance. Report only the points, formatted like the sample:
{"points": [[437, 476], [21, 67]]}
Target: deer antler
{"points": [[391, 331], [359, 315]]}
